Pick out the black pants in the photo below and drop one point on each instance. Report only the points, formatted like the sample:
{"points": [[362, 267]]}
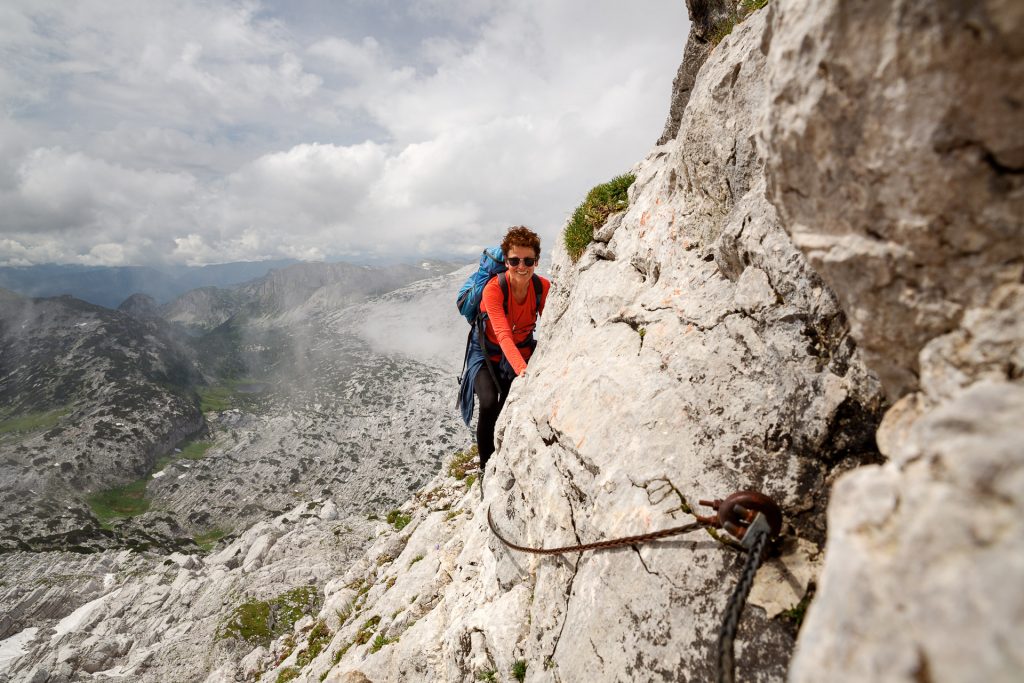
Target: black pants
{"points": [[491, 402]]}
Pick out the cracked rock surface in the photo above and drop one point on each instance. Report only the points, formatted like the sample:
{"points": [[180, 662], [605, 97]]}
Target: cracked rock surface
{"points": [[896, 160]]}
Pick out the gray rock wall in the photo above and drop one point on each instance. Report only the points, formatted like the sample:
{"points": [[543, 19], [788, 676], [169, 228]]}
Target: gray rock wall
{"points": [[895, 160], [895, 153]]}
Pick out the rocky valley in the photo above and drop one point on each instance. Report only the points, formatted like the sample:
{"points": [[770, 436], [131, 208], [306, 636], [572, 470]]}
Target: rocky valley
{"points": [[815, 291]]}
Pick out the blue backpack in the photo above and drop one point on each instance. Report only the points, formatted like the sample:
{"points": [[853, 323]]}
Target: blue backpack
{"points": [[492, 262]]}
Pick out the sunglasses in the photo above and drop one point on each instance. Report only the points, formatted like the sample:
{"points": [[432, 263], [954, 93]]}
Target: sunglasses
{"points": [[528, 261]]}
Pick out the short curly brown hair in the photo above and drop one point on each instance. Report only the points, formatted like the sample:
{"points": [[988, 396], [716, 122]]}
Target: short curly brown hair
{"points": [[521, 236]]}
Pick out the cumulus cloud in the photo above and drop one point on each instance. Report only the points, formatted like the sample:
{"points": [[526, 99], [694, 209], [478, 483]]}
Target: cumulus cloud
{"points": [[191, 132]]}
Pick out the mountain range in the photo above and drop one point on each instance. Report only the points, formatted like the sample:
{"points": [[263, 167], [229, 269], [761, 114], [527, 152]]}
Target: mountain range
{"points": [[97, 401]]}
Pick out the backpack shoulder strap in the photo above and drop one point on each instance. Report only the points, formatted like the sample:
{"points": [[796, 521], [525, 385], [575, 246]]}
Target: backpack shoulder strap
{"points": [[538, 291], [503, 283]]}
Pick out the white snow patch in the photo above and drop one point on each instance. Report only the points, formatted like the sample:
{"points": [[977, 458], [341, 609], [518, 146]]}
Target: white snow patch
{"points": [[157, 475], [74, 620], [120, 673], [14, 647]]}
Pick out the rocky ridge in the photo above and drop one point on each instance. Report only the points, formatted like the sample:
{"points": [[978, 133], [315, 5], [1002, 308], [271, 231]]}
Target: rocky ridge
{"points": [[293, 291], [326, 414]]}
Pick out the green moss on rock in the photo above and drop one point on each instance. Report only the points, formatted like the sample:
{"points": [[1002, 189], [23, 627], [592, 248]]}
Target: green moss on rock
{"points": [[319, 637], [258, 622]]}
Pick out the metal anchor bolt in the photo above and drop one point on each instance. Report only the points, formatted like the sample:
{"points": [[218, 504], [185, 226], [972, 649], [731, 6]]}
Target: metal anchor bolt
{"points": [[736, 513]]}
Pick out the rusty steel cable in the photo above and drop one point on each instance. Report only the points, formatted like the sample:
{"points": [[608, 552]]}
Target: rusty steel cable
{"points": [[747, 515], [597, 545]]}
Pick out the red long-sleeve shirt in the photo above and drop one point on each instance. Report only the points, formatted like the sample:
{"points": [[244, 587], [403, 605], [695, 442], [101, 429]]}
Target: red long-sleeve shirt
{"points": [[507, 331]]}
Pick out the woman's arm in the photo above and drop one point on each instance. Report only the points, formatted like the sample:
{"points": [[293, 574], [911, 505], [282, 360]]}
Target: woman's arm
{"points": [[492, 304]]}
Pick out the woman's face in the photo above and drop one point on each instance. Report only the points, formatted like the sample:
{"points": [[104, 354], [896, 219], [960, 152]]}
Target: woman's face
{"points": [[520, 273]]}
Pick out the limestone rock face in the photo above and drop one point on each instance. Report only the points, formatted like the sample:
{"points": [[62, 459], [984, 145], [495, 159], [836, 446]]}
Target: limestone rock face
{"points": [[894, 159], [705, 15], [927, 549], [895, 156]]}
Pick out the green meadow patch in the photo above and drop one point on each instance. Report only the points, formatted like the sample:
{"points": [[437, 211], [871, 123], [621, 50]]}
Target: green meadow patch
{"points": [[216, 398], [120, 502], [130, 500], [32, 422], [232, 393], [195, 450], [209, 539]]}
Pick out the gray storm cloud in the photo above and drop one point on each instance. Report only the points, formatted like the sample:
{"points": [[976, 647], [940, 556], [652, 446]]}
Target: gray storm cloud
{"points": [[139, 133]]}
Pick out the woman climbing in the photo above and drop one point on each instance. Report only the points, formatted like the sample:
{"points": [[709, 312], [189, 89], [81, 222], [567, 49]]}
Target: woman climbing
{"points": [[510, 306]]}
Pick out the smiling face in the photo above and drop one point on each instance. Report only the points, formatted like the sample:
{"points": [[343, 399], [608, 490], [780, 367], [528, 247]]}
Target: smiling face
{"points": [[521, 274]]}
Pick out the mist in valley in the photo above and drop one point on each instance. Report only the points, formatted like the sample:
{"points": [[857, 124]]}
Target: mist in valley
{"points": [[298, 395]]}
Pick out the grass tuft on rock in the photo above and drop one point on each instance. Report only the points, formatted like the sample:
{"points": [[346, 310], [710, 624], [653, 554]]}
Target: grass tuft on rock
{"points": [[601, 202], [380, 641], [519, 670], [258, 622], [398, 520], [735, 17], [319, 638], [209, 539], [366, 630], [463, 462]]}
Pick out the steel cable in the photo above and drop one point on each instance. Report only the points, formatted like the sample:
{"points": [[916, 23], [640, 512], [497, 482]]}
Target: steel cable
{"points": [[756, 538], [734, 608], [597, 545]]}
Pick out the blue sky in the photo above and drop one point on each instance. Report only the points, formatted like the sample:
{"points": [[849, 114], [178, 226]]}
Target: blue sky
{"points": [[136, 132]]}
